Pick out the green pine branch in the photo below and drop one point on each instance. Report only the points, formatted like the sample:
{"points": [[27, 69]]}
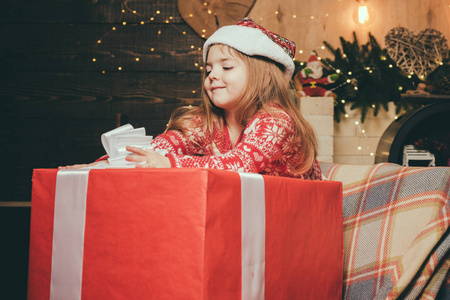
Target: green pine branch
{"points": [[369, 78]]}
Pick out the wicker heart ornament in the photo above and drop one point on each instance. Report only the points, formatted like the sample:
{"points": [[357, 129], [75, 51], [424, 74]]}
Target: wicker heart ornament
{"points": [[416, 53], [205, 17]]}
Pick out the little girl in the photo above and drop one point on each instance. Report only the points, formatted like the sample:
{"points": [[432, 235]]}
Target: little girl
{"points": [[247, 121]]}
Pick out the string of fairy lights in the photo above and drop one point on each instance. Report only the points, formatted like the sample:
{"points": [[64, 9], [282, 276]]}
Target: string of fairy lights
{"points": [[156, 18]]}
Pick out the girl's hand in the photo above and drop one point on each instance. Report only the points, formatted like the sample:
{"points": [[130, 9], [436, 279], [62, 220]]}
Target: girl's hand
{"points": [[147, 158], [79, 166]]}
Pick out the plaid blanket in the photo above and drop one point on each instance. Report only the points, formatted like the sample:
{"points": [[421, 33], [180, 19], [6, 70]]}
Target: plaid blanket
{"points": [[396, 230]]}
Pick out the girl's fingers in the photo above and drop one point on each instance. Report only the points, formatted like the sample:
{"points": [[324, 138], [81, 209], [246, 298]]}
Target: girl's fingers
{"points": [[146, 165], [78, 166], [137, 150], [136, 158], [73, 166]]}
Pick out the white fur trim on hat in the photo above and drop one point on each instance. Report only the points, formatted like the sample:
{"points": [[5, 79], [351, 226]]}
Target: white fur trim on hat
{"points": [[250, 41]]}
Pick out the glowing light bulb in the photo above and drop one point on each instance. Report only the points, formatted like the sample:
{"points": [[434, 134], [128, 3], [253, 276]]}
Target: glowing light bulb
{"points": [[363, 14]]}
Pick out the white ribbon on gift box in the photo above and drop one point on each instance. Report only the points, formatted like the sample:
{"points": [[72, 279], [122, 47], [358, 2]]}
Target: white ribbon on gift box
{"points": [[68, 234], [69, 228], [253, 220]]}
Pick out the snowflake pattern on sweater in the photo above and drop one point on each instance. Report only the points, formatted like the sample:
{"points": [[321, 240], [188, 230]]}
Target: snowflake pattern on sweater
{"points": [[266, 146]]}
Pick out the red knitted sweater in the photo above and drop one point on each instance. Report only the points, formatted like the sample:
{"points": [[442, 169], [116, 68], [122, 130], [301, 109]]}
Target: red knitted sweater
{"points": [[266, 146]]}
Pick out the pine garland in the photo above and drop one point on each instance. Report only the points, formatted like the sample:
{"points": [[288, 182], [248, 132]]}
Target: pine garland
{"points": [[368, 78]]}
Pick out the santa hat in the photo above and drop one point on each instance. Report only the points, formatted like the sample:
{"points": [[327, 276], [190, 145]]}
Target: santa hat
{"points": [[313, 58], [252, 39]]}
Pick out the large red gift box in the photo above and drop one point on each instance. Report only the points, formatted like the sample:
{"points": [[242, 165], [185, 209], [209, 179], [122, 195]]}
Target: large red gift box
{"points": [[183, 234]]}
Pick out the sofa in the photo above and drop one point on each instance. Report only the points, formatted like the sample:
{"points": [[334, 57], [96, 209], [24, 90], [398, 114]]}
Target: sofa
{"points": [[396, 230]]}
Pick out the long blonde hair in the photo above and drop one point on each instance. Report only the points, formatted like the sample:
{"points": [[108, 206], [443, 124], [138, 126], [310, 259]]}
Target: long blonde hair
{"points": [[266, 85]]}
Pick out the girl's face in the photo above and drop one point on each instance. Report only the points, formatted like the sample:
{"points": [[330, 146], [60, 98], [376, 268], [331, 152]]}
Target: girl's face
{"points": [[226, 77]]}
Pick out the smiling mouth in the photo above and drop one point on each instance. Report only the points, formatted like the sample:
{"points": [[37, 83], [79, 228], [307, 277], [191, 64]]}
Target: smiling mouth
{"points": [[216, 88]]}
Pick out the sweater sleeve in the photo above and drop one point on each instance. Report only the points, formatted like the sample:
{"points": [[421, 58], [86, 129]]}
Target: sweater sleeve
{"points": [[262, 143], [191, 142], [175, 142]]}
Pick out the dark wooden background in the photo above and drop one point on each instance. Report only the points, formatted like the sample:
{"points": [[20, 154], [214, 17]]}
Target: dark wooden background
{"points": [[56, 101]]}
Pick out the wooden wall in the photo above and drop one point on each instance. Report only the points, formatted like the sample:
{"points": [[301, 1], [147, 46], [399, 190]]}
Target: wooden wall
{"points": [[309, 23], [56, 101]]}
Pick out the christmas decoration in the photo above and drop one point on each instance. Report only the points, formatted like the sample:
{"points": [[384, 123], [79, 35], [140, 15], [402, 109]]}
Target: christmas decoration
{"points": [[368, 78], [419, 54], [435, 145], [438, 82], [420, 90], [311, 82], [250, 38]]}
